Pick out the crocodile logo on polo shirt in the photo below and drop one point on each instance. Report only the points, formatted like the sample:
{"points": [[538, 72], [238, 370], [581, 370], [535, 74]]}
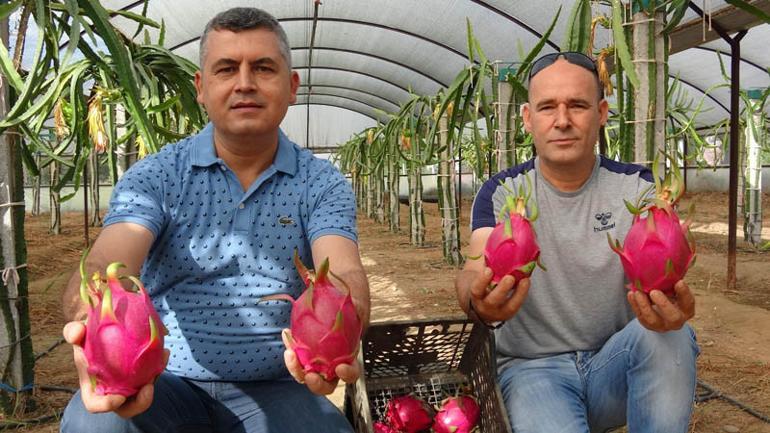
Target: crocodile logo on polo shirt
{"points": [[604, 218], [284, 220]]}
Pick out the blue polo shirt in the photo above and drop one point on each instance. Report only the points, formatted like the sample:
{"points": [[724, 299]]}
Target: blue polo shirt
{"points": [[219, 249]]}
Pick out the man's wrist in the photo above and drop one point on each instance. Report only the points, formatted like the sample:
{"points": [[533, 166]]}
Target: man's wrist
{"points": [[477, 318]]}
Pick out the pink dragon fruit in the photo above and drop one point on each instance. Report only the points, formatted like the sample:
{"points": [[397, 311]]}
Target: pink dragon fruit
{"points": [[408, 414], [457, 415], [124, 335], [658, 249], [325, 327], [380, 427], [512, 248]]}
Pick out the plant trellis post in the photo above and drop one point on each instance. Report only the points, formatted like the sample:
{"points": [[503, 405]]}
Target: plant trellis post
{"points": [[447, 198], [16, 355], [755, 132]]}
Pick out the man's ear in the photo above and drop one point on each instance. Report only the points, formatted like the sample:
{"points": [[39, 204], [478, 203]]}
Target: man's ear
{"points": [[199, 87], [604, 109], [294, 86], [526, 116]]}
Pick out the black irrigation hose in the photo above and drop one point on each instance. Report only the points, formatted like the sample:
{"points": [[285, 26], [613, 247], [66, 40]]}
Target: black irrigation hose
{"points": [[15, 424], [57, 388], [10, 424], [56, 344], [712, 393]]}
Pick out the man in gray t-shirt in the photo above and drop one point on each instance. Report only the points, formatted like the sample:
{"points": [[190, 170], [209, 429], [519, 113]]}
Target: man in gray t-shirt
{"points": [[576, 351]]}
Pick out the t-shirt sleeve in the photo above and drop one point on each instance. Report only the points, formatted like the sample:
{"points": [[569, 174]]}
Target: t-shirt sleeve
{"points": [[137, 197], [334, 205], [483, 212]]}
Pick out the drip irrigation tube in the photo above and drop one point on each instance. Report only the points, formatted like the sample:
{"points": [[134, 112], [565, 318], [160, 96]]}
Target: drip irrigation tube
{"points": [[712, 393]]}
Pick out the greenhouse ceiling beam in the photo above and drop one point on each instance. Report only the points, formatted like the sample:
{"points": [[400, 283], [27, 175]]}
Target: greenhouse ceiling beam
{"points": [[310, 66], [517, 22], [335, 95], [325, 149], [353, 71], [353, 89], [748, 62], [705, 93], [374, 56], [344, 107], [729, 19], [357, 22]]}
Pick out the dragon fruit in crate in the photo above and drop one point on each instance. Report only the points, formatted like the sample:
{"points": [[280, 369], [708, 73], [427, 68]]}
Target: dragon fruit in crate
{"points": [[408, 414], [381, 427], [512, 247], [457, 415], [124, 335], [325, 327], [658, 249]]}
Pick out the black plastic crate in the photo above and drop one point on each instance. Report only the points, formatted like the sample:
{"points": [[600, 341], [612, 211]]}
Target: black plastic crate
{"points": [[434, 359]]}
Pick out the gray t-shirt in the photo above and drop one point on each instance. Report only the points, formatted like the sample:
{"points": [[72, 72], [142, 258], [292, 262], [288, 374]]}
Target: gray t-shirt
{"points": [[581, 300]]}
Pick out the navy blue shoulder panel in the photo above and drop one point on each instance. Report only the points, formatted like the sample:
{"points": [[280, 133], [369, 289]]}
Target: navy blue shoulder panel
{"points": [[482, 213], [626, 168]]}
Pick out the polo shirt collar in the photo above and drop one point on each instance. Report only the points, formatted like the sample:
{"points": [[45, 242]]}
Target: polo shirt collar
{"points": [[204, 155]]}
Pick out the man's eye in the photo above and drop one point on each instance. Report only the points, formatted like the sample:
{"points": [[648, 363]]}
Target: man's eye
{"points": [[225, 70]]}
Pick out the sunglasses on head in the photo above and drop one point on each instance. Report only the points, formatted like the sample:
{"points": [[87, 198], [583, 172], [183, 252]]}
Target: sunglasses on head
{"points": [[574, 57]]}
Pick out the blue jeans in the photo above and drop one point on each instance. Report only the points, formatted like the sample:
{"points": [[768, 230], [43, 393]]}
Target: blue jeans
{"points": [[640, 377], [187, 406]]}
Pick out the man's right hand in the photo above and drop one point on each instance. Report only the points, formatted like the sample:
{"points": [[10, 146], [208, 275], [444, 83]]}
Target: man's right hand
{"points": [[502, 302], [75, 333]]}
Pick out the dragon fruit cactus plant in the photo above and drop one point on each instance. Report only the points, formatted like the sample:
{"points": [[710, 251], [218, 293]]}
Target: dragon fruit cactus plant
{"points": [[408, 414], [124, 335], [658, 249], [512, 247], [457, 415], [325, 326]]}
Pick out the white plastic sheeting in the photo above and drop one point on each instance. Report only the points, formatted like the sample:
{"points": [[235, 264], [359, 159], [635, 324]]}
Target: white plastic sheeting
{"points": [[368, 55]]}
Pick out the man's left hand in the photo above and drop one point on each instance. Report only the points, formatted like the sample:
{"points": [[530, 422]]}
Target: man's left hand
{"points": [[349, 373], [658, 312]]}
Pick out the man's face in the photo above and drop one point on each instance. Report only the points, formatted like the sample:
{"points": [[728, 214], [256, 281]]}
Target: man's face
{"points": [[564, 114], [245, 84]]}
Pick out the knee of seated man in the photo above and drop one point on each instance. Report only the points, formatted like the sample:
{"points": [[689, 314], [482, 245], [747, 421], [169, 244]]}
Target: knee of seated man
{"points": [[76, 419], [671, 346]]}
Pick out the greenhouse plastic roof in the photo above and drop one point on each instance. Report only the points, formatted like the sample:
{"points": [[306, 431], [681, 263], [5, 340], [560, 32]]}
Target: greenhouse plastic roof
{"points": [[367, 56]]}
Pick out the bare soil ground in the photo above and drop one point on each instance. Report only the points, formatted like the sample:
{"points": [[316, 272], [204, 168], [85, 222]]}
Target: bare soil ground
{"points": [[410, 283]]}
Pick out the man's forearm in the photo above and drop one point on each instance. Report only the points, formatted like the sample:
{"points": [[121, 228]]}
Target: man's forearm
{"points": [[463, 286], [72, 306], [359, 289]]}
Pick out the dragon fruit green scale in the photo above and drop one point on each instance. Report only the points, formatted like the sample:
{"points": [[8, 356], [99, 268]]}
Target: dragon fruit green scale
{"points": [[124, 339], [325, 327]]}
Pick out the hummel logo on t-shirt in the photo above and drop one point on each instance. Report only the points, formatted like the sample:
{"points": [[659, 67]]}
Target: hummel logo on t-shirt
{"points": [[604, 218]]}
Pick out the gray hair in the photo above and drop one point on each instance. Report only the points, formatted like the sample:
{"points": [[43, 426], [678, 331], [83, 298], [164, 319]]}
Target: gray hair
{"points": [[240, 19]]}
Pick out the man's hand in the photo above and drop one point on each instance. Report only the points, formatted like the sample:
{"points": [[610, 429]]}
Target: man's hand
{"points": [[502, 302], [658, 312], [74, 334], [349, 373]]}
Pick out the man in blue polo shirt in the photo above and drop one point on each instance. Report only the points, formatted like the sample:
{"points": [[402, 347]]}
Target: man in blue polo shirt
{"points": [[212, 223], [576, 351]]}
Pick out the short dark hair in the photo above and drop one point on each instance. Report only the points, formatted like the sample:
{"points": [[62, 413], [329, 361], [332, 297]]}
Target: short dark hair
{"points": [[240, 19]]}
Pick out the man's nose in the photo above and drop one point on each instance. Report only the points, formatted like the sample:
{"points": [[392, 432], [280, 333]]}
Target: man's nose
{"points": [[247, 81], [562, 116]]}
